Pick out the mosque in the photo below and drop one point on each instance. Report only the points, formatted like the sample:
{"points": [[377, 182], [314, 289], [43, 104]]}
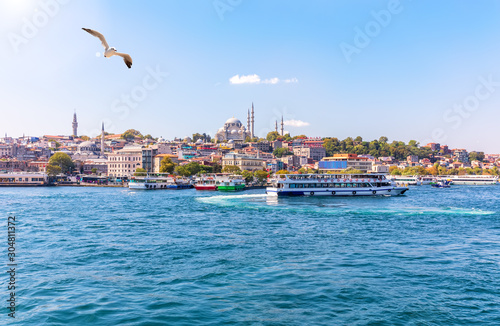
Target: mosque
{"points": [[234, 130]]}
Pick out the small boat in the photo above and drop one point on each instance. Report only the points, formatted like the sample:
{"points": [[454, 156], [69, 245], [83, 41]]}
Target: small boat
{"points": [[442, 184], [232, 183]]}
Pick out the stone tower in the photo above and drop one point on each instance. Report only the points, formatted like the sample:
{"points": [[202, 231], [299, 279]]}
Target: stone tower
{"points": [[282, 127], [252, 121], [102, 140], [75, 126]]}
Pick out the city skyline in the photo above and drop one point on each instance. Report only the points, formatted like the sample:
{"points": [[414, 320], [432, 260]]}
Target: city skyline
{"points": [[401, 69]]}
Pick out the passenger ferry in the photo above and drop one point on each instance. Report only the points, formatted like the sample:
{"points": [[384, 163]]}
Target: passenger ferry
{"points": [[24, 179], [333, 185], [210, 181], [159, 182], [232, 183], [427, 180], [405, 179], [471, 179]]}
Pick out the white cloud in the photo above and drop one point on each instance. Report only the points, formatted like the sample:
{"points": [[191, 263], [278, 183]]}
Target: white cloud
{"points": [[271, 81], [255, 79], [249, 79], [296, 123]]}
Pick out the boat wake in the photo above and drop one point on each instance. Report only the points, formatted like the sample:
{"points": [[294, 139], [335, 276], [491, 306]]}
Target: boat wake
{"points": [[262, 201]]}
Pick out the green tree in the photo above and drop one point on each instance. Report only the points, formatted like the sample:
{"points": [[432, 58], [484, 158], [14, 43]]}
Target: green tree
{"points": [[283, 172], [85, 138], [261, 176], [231, 169], [383, 139], [280, 152], [166, 165], [272, 136], [300, 137], [247, 175], [140, 172], [94, 171], [148, 136], [216, 167], [62, 160], [182, 170], [131, 134], [53, 170], [476, 156]]}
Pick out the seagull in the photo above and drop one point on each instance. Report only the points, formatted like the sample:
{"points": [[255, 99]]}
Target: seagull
{"points": [[109, 52]]}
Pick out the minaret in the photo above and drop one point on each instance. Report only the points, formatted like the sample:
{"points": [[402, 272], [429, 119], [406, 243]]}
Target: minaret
{"points": [[252, 132], [75, 126], [282, 127], [276, 126], [102, 140], [248, 121]]}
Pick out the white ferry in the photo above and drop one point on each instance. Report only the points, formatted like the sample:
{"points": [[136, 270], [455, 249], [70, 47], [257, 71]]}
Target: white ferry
{"points": [[427, 180], [410, 180], [24, 179], [471, 179], [158, 182], [333, 185]]}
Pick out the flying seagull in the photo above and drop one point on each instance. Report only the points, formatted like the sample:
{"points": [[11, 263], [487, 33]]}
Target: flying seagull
{"points": [[109, 52]]}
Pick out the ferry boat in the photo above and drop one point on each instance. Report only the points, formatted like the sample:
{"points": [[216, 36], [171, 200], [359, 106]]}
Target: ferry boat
{"points": [[232, 183], [471, 179], [24, 179], [158, 182], [210, 181], [427, 180], [405, 179], [333, 185]]}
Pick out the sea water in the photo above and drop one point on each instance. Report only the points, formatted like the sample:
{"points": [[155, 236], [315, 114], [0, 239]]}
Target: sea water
{"points": [[114, 256]]}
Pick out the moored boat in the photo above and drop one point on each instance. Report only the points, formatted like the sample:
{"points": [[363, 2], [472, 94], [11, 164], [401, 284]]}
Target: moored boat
{"points": [[470, 179], [210, 181], [232, 183], [410, 180], [333, 185], [158, 181], [24, 179]]}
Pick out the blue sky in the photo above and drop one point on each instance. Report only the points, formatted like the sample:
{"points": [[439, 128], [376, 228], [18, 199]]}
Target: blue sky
{"points": [[423, 70]]}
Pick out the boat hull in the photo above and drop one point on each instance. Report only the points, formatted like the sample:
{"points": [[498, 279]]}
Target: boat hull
{"points": [[231, 188], [206, 187], [382, 191]]}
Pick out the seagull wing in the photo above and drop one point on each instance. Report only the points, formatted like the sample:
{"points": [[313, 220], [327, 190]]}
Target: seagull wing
{"points": [[99, 35], [126, 58]]}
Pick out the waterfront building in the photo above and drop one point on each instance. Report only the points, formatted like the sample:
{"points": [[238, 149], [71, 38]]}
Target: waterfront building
{"points": [[315, 153], [100, 164], [244, 162], [340, 162], [124, 162]]}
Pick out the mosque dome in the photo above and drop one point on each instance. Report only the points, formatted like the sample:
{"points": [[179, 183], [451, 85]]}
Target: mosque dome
{"points": [[233, 120]]}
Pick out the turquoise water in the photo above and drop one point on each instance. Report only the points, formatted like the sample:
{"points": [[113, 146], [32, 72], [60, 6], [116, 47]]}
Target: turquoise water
{"points": [[112, 256]]}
